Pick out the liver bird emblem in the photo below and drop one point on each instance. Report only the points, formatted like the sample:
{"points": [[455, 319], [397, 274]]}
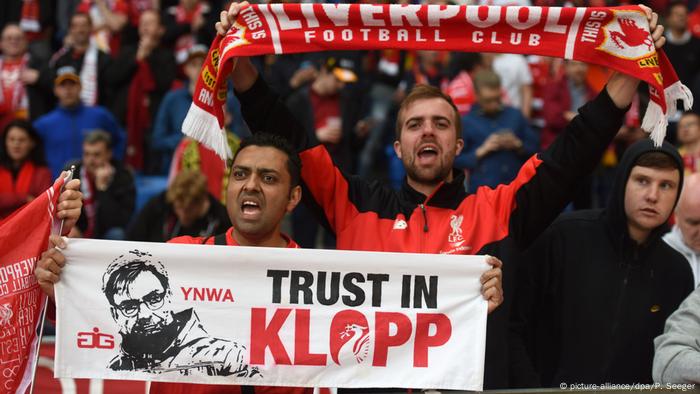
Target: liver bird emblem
{"points": [[631, 35], [354, 344]]}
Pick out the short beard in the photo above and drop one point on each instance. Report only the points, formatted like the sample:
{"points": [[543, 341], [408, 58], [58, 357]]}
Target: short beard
{"points": [[440, 175]]}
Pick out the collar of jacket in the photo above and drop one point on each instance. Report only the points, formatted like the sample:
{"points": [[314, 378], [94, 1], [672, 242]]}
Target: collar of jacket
{"points": [[447, 195]]}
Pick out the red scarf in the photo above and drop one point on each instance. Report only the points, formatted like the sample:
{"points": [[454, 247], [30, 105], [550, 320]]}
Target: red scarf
{"points": [[138, 116], [22, 183], [13, 94], [617, 38], [23, 237], [87, 187]]}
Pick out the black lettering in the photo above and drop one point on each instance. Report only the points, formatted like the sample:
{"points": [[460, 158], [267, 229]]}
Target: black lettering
{"points": [[422, 292], [321, 288], [377, 280], [277, 276], [301, 281], [353, 289], [406, 291]]}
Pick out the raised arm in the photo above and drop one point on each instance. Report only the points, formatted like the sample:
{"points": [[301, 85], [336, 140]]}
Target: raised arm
{"points": [[547, 181]]}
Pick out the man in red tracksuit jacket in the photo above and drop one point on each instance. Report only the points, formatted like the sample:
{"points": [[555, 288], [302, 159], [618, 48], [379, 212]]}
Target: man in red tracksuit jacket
{"points": [[262, 189], [432, 213]]}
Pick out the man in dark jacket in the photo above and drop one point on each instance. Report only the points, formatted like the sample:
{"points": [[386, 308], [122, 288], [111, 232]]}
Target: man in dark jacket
{"points": [[595, 289], [109, 193]]}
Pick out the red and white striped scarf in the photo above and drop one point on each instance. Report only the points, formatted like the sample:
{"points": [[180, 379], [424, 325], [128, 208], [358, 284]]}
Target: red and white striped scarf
{"points": [[615, 37], [18, 101]]}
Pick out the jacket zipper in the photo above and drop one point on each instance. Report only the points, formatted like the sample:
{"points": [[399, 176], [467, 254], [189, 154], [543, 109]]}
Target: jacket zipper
{"points": [[425, 218], [423, 208]]}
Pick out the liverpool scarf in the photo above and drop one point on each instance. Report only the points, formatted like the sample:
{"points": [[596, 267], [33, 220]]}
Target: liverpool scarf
{"points": [[23, 237], [617, 38]]}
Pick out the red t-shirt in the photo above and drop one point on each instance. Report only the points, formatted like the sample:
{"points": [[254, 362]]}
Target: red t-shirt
{"points": [[186, 239], [188, 388]]}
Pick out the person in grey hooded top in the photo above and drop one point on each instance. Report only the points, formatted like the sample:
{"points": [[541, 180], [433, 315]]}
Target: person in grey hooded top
{"points": [[677, 358]]}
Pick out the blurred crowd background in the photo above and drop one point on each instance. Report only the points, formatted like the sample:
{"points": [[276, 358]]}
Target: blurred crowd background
{"points": [[106, 84]]}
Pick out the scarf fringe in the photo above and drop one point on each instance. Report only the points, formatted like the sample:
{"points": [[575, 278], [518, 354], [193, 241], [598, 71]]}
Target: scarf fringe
{"points": [[204, 127], [655, 121], [673, 93]]}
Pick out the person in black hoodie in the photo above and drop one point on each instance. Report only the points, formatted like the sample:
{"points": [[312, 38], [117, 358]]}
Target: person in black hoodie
{"points": [[596, 288]]}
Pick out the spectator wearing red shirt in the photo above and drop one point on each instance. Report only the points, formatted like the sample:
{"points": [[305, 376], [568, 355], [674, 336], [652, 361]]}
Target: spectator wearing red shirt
{"points": [[141, 74], [109, 18], [23, 171], [264, 187], [689, 140], [563, 99]]}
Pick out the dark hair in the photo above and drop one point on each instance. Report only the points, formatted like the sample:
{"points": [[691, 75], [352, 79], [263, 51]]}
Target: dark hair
{"points": [[81, 14], [36, 155], [279, 143], [690, 114], [124, 270], [675, 3], [96, 136], [658, 160], [426, 92], [463, 61]]}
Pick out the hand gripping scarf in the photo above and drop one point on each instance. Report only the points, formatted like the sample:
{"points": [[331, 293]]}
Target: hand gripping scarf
{"points": [[616, 37]]}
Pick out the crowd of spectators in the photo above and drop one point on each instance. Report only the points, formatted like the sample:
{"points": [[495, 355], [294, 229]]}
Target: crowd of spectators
{"points": [[127, 67], [106, 84]]}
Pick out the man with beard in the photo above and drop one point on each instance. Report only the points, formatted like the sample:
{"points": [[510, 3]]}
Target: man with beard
{"points": [[432, 213], [154, 337]]}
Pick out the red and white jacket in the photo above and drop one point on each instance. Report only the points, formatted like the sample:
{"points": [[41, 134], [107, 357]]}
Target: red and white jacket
{"points": [[372, 216]]}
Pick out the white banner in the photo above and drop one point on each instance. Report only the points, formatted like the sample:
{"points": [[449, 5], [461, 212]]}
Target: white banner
{"points": [[270, 316]]}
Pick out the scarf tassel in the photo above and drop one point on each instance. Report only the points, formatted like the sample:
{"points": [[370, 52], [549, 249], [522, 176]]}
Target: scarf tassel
{"points": [[655, 121], [203, 127]]}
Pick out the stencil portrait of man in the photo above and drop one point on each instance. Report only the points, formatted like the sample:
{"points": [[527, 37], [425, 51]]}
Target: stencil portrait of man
{"points": [[155, 338]]}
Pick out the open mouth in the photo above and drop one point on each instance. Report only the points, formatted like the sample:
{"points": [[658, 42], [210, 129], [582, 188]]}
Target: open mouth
{"points": [[250, 207], [427, 153]]}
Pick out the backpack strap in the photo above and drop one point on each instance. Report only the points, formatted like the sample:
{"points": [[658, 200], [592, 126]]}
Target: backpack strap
{"points": [[219, 239]]}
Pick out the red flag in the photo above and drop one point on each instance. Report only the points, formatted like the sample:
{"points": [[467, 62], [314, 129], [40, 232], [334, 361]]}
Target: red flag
{"points": [[23, 237]]}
